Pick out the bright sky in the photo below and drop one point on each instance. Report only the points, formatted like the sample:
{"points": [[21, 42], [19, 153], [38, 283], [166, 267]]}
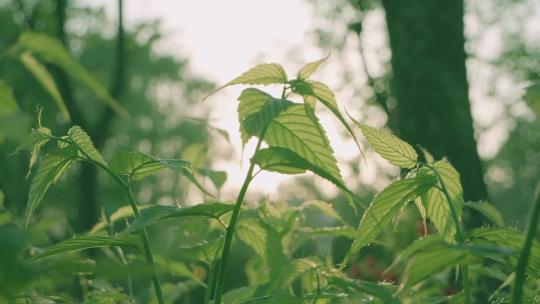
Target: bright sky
{"points": [[222, 39]]}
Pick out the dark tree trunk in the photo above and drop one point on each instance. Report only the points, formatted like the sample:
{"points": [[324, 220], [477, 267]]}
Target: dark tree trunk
{"points": [[88, 208], [430, 84]]}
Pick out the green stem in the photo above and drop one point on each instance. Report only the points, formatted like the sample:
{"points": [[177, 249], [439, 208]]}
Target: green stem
{"points": [[211, 282], [459, 233], [521, 268], [232, 225], [137, 213]]}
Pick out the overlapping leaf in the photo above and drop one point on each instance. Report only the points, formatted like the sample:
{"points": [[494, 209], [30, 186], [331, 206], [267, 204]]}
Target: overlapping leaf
{"points": [[256, 109], [314, 90], [46, 80], [53, 166], [294, 130], [390, 147], [385, 206]]}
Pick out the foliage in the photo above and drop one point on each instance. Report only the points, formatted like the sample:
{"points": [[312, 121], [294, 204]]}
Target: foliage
{"points": [[274, 237]]}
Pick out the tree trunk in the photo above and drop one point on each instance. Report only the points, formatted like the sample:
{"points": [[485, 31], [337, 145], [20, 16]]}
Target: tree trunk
{"points": [[430, 84]]}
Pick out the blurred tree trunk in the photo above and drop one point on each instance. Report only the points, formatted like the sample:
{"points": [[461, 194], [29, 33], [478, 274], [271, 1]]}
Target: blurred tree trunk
{"points": [[430, 84], [88, 207]]}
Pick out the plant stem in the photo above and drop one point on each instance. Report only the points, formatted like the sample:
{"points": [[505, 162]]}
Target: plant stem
{"points": [[146, 245], [459, 233], [220, 270], [137, 213], [211, 282], [521, 268]]}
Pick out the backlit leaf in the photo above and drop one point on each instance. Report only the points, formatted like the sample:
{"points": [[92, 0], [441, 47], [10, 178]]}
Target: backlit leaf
{"points": [[294, 130], [318, 90], [311, 67], [287, 162], [385, 207], [46, 80], [390, 147], [438, 207], [256, 109], [265, 73], [52, 167]]}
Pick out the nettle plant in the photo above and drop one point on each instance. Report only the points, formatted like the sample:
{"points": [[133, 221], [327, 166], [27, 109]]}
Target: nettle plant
{"points": [[290, 140]]}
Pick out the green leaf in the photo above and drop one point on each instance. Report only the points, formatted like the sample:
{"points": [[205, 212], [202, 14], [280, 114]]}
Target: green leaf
{"points": [[262, 74], [139, 165], [53, 166], [254, 234], [46, 80], [284, 161], [511, 239], [83, 242], [294, 130], [385, 207], [51, 50], [419, 244], [8, 105], [311, 67], [121, 213], [320, 91], [84, 143], [207, 251], [218, 178], [344, 231], [427, 263], [487, 210], [156, 214], [33, 143], [177, 269], [377, 290], [14, 124], [391, 148], [325, 208], [256, 109], [292, 271], [438, 207]]}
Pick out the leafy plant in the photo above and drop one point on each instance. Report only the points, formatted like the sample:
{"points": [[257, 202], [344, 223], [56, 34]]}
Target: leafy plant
{"points": [[274, 237]]}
